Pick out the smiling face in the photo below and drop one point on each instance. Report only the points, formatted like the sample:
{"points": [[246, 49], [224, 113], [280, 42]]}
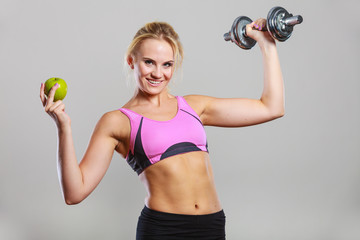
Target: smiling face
{"points": [[153, 66]]}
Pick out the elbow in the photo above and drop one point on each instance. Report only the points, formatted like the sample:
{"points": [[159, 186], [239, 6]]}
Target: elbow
{"points": [[72, 200], [280, 110], [278, 114], [73, 196], [275, 109]]}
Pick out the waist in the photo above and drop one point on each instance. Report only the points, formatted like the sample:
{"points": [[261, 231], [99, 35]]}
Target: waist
{"points": [[182, 184], [188, 207], [175, 216]]}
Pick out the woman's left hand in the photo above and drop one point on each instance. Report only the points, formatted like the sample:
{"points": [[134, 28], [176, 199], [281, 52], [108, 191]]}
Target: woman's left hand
{"points": [[257, 31]]}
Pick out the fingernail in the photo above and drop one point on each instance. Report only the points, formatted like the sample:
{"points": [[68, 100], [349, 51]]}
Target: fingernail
{"points": [[56, 84]]}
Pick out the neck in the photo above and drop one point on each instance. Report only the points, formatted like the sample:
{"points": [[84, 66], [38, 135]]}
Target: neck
{"points": [[156, 100]]}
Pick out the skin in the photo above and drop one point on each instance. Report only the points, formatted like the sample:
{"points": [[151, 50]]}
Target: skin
{"points": [[184, 183]]}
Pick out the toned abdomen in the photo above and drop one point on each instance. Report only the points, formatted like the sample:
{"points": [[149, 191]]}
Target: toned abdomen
{"points": [[182, 184]]}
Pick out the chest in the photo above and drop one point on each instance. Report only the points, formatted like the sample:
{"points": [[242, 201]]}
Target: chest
{"points": [[165, 112], [182, 128]]}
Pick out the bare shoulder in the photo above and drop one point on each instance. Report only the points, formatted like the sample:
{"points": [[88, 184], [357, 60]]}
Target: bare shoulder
{"points": [[198, 102], [115, 123], [114, 116]]}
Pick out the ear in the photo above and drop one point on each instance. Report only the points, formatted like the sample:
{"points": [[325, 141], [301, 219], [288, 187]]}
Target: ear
{"points": [[130, 61]]}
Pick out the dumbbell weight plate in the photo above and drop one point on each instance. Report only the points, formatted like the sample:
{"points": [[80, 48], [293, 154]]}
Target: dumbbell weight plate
{"points": [[276, 24], [237, 34], [244, 41]]}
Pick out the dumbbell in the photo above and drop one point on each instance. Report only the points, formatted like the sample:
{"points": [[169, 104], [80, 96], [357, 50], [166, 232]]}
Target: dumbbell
{"points": [[279, 23]]}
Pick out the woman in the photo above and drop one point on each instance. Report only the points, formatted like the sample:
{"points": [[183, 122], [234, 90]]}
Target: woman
{"points": [[163, 139]]}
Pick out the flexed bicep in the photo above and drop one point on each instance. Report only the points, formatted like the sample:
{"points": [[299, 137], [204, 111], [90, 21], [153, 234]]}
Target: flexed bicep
{"points": [[236, 112]]}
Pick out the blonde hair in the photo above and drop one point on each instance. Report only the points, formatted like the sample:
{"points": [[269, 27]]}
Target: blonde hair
{"points": [[161, 31]]}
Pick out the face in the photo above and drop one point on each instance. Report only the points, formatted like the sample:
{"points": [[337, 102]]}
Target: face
{"points": [[153, 66]]}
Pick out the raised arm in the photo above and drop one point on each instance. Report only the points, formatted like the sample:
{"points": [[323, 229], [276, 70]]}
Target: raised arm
{"points": [[79, 180], [237, 112]]}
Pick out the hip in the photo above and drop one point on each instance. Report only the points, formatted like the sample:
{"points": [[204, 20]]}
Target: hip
{"points": [[154, 224]]}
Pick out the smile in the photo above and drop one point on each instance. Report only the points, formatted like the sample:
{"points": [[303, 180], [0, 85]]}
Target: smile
{"points": [[154, 82]]}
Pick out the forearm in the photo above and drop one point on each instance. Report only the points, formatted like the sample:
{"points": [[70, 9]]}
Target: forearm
{"points": [[70, 176], [273, 92]]}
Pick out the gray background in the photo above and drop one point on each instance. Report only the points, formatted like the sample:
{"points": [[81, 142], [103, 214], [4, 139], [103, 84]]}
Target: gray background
{"points": [[294, 178]]}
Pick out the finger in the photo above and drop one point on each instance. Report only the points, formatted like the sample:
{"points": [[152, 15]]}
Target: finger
{"points": [[255, 24], [249, 27], [259, 24], [252, 24], [42, 95], [54, 106], [60, 109], [262, 24], [59, 113], [51, 95]]}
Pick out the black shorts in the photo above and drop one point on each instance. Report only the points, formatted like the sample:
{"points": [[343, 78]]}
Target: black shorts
{"points": [[160, 225]]}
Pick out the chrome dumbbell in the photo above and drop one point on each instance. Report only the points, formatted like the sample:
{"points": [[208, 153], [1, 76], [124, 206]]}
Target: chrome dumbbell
{"points": [[279, 23]]}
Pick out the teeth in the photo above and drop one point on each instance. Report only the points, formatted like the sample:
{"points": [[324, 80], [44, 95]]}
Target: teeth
{"points": [[154, 82]]}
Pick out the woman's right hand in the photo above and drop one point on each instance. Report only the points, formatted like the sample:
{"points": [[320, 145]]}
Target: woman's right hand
{"points": [[257, 31], [56, 110]]}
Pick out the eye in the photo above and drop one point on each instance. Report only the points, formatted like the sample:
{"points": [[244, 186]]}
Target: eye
{"points": [[148, 62], [168, 64]]}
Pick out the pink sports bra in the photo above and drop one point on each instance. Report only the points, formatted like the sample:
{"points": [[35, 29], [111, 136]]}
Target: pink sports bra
{"points": [[152, 141]]}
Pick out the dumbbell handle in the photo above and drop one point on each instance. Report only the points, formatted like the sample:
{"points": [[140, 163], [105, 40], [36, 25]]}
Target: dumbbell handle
{"points": [[227, 36], [292, 21]]}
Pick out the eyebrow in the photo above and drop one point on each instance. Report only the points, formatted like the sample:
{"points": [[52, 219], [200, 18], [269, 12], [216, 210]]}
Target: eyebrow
{"points": [[147, 58]]}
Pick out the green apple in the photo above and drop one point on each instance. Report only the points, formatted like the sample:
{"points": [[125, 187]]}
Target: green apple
{"points": [[60, 92]]}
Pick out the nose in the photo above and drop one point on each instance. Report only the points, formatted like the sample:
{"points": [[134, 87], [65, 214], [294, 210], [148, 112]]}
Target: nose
{"points": [[156, 73]]}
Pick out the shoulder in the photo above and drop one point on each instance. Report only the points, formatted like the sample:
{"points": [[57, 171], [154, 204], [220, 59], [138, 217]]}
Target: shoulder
{"points": [[197, 98], [198, 102], [113, 117], [115, 123]]}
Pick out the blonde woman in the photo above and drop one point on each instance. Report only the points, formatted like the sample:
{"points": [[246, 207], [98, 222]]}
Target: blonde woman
{"points": [[163, 139]]}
